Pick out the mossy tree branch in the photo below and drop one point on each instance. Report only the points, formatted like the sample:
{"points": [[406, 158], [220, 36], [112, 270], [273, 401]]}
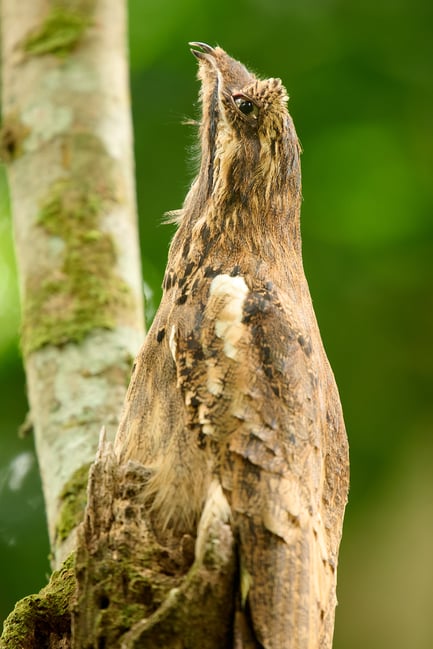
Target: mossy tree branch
{"points": [[121, 588]]}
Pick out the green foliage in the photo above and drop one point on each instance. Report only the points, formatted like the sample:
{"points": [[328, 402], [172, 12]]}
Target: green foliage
{"points": [[9, 311]]}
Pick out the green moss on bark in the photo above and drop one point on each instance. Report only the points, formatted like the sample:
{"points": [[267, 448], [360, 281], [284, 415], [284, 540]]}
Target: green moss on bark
{"points": [[85, 293], [42, 620], [119, 590], [73, 502], [62, 28]]}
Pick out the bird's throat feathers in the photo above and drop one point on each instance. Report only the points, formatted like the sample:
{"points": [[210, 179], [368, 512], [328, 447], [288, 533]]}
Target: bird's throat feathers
{"points": [[256, 180]]}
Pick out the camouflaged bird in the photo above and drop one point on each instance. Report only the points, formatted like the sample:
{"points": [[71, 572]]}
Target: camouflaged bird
{"points": [[232, 396]]}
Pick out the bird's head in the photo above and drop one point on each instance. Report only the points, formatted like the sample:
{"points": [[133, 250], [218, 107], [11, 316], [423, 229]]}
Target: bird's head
{"points": [[249, 148]]}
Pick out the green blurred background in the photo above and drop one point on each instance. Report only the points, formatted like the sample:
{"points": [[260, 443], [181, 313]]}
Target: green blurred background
{"points": [[360, 77]]}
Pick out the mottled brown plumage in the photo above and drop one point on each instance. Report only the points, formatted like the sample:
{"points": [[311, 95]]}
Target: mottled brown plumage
{"points": [[232, 397]]}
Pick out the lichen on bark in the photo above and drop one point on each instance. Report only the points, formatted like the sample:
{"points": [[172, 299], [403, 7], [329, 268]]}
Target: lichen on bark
{"points": [[84, 292]]}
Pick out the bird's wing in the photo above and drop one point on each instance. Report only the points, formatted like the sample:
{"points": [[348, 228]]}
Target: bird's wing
{"points": [[256, 399], [155, 429]]}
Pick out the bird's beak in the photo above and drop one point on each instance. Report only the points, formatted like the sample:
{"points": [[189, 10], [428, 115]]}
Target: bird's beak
{"points": [[203, 52]]}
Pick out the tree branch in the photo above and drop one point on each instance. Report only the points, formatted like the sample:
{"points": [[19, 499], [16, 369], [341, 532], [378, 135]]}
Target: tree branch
{"points": [[128, 580], [67, 138]]}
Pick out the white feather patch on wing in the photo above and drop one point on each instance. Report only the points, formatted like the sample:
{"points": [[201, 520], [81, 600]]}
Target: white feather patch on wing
{"points": [[231, 292], [172, 342], [216, 512]]}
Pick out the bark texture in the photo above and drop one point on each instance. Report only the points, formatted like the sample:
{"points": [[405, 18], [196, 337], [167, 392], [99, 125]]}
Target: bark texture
{"points": [[133, 592], [66, 136]]}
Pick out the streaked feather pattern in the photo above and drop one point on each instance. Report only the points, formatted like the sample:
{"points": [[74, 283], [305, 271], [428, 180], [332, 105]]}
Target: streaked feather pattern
{"points": [[232, 392]]}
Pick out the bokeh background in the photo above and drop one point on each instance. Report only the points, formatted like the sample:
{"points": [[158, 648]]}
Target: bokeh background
{"points": [[360, 77]]}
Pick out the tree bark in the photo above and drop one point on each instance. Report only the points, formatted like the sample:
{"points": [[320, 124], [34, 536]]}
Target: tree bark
{"points": [[67, 139], [133, 592]]}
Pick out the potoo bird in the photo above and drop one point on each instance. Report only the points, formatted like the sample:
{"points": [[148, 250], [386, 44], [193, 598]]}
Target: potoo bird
{"points": [[232, 396]]}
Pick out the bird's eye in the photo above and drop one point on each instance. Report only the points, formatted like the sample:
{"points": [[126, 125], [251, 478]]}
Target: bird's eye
{"points": [[246, 106]]}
